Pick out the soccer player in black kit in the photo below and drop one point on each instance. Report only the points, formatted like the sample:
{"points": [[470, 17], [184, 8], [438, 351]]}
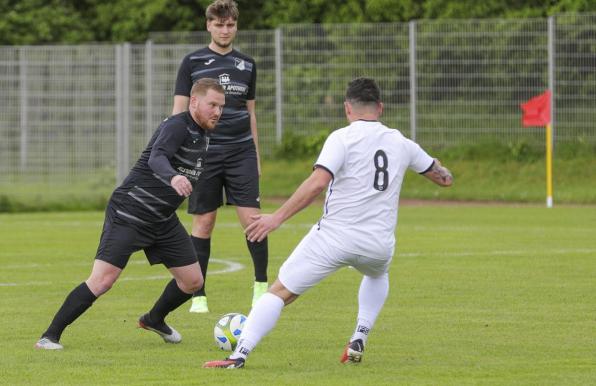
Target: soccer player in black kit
{"points": [[141, 214], [233, 162]]}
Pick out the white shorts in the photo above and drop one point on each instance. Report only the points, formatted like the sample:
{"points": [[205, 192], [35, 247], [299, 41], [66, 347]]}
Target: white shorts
{"points": [[316, 257]]}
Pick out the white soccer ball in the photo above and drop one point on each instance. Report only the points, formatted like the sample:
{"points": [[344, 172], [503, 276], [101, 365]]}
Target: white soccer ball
{"points": [[227, 330]]}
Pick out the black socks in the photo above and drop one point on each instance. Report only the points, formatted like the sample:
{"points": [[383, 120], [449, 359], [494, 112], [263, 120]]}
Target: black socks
{"points": [[75, 304], [259, 251], [171, 298], [203, 250]]}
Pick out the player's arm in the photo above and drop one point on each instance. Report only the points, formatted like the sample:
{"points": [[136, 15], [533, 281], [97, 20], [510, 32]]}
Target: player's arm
{"points": [[439, 174], [165, 146], [182, 87], [250, 106], [180, 104], [264, 224]]}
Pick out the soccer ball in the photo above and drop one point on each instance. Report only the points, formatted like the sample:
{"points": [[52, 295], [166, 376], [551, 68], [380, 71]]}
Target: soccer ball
{"points": [[227, 330]]}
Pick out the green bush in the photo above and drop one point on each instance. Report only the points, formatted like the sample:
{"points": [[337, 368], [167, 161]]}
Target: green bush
{"points": [[294, 146]]}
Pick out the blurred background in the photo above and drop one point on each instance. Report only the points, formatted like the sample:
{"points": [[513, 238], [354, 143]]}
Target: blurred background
{"points": [[85, 83]]}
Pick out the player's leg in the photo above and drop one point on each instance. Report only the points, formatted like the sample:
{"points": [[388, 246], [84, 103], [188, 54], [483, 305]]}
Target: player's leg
{"points": [[261, 320], [372, 294], [117, 242], [206, 197], [174, 249], [103, 276], [311, 261], [259, 252], [202, 228], [242, 190]]}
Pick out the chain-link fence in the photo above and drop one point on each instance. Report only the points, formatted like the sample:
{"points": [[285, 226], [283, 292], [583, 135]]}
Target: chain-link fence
{"points": [[72, 113]]}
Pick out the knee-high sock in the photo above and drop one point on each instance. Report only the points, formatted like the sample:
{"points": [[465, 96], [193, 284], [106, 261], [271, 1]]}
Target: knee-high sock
{"points": [[371, 298], [259, 251], [203, 250], [75, 304], [262, 318], [171, 298]]}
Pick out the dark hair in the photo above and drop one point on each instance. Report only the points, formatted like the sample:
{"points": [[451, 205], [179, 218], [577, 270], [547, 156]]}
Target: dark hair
{"points": [[363, 91], [201, 86], [221, 10]]}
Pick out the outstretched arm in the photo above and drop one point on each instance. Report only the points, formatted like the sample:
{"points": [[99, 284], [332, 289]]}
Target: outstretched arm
{"points": [[302, 197], [439, 174]]}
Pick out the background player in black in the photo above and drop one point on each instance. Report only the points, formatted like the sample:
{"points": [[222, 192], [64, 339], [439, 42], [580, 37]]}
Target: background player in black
{"points": [[141, 214], [233, 162]]}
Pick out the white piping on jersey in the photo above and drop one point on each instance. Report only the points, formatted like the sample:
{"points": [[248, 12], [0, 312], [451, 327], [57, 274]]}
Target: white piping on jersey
{"points": [[188, 150], [191, 131], [135, 218], [153, 196], [157, 176], [152, 209], [184, 160]]}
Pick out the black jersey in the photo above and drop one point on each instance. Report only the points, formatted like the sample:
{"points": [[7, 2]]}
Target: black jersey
{"points": [[178, 146], [237, 74]]}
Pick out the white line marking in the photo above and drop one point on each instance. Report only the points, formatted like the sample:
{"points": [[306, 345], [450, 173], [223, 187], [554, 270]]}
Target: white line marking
{"points": [[229, 266]]}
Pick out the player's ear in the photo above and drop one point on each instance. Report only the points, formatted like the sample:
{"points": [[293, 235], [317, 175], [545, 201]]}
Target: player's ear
{"points": [[348, 108], [193, 101]]}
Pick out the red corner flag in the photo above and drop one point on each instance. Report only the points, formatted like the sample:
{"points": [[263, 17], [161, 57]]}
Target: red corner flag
{"points": [[536, 111]]}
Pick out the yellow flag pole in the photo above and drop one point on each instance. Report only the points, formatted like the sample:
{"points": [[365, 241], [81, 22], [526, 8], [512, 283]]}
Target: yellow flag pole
{"points": [[549, 166]]}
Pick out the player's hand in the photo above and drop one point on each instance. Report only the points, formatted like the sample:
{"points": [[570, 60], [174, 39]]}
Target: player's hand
{"points": [[181, 185], [262, 225]]}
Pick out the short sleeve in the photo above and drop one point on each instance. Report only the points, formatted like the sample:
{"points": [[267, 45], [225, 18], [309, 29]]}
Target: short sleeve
{"points": [[183, 79], [332, 155], [420, 161], [252, 87]]}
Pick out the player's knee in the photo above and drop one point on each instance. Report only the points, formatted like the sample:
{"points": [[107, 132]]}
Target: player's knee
{"points": [[202, 225], [100, 284], [192, 284]]}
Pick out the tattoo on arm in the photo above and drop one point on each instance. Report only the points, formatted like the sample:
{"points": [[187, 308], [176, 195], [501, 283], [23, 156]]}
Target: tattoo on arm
{"points": [[440, 174]]}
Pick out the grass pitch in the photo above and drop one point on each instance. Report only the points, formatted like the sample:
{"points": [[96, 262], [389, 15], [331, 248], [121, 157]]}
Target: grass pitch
{"points": [[492, 295]]}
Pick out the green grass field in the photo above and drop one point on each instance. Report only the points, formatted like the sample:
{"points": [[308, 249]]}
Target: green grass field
{"points": [[489, 295]]}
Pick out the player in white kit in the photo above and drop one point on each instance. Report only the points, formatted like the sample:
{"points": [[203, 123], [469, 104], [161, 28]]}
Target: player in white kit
{"points": [[362, 166]]}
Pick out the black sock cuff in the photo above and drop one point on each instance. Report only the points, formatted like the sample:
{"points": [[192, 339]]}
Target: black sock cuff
{"points": [[259, 252], [84, 293], [260, 246], [202, 246], [173, 288]]}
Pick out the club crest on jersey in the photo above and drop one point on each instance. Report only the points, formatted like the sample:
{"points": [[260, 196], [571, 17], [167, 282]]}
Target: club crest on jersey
{"points": [[224, 79], [239, 63]]}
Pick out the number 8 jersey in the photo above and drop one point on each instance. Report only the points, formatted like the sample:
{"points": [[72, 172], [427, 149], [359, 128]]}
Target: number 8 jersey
{"points": [[368, 162]]}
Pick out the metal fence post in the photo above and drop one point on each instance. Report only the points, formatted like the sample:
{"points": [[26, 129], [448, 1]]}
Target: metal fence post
{"points": [[278, 86], [24, 124], [122, 110], [148, 88], [551, 71], [412, 36]]}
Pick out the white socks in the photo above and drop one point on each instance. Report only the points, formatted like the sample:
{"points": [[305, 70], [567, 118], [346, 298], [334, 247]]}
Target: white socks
{"points": [[371, 298], [262, 318]]}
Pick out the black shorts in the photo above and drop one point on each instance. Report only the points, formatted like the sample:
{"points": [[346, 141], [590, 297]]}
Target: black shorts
{"points": [[167, 242], [230, 167]]}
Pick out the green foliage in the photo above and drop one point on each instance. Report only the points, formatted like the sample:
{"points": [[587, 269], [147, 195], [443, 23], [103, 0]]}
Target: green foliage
{"points": [[76, 21], [39, 22], [294, 146]]}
